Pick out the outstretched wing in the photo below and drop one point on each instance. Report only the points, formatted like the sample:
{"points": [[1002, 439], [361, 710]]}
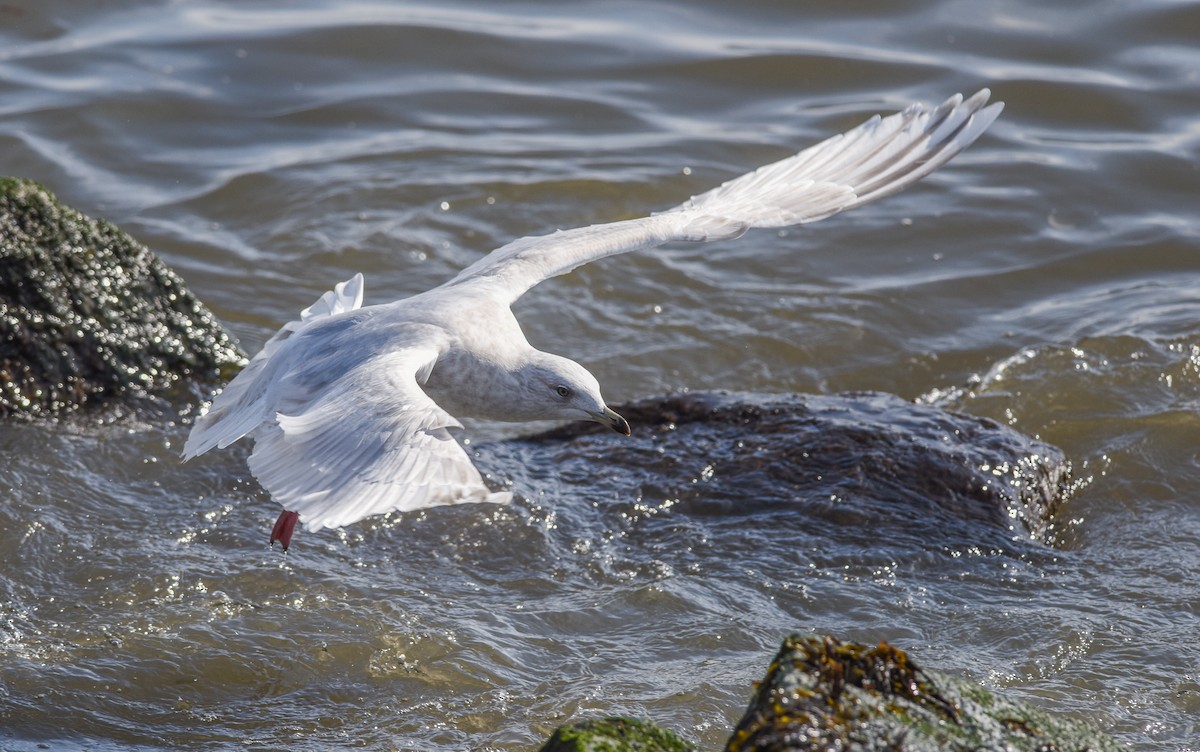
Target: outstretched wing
{"points": [[341, 426], [369, 442], [248, 400], [878, 158]]}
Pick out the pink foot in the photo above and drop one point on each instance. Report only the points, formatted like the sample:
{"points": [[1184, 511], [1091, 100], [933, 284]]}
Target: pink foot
{"points": [[284, 527]]}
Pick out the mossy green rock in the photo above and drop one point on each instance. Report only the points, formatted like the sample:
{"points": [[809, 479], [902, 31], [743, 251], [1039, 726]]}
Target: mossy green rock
{"points": [[822, 694], [89, 316], [614, 735]]}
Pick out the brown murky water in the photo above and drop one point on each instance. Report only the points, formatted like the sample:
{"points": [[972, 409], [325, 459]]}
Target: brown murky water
{"points": [[1049, 278]]}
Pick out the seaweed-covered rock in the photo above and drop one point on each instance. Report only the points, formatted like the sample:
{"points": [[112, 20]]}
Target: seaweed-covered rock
{"points": [[821, 694], [614, 735], [859, 456], [89, 315]]}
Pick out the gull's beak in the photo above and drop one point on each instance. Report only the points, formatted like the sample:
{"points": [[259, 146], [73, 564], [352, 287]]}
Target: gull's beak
{"points": [[607, 417]]}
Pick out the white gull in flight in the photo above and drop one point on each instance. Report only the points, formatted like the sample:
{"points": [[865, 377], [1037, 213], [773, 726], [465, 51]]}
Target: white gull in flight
{"points": [[349, 406]]}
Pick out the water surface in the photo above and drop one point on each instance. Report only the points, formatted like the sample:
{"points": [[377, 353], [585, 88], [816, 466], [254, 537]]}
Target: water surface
{"points": [[1047, 278]]}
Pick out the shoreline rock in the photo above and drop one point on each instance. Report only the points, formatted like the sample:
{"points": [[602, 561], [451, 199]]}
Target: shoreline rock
{"points": [[614, 734], [89, 316], [821, 694]]}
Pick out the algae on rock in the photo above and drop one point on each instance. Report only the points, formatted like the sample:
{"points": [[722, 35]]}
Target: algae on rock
{"points": [[822, 694], [88, 315], [614, 735]]}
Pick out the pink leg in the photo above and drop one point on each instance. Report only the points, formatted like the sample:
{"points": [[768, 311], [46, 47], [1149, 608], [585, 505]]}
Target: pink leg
{"points": [[284, 527]]}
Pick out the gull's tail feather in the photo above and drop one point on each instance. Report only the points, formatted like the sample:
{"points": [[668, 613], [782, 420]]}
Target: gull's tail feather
{"points": [[244, 402], [876, 159]]}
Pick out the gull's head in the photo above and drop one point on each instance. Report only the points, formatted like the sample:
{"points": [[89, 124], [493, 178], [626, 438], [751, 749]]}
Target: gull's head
{"points": [[558, 388]]}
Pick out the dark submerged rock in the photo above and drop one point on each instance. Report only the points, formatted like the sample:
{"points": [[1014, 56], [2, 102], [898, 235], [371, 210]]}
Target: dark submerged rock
{"points": [[89, 316], [867, 458]]}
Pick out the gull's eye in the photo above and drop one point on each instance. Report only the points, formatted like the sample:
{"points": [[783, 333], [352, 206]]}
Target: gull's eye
{"points": [[563, 391]]}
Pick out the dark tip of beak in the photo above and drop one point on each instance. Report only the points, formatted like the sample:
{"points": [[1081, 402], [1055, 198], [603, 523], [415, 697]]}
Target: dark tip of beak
{"points": [[609, 418], [620, 425]]}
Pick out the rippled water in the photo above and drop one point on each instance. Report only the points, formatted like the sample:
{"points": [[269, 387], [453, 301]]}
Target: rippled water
{"points": [[1047, 278]]}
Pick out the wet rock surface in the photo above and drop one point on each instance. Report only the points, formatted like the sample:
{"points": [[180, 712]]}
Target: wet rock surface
{"points": [[869, 458], [89, 316], [614, 735], [821, 694]]}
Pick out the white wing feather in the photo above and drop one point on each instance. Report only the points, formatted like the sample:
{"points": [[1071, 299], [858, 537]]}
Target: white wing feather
{"points": [[878, 158], [245, 402], [342, 429], [371, 442]]}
